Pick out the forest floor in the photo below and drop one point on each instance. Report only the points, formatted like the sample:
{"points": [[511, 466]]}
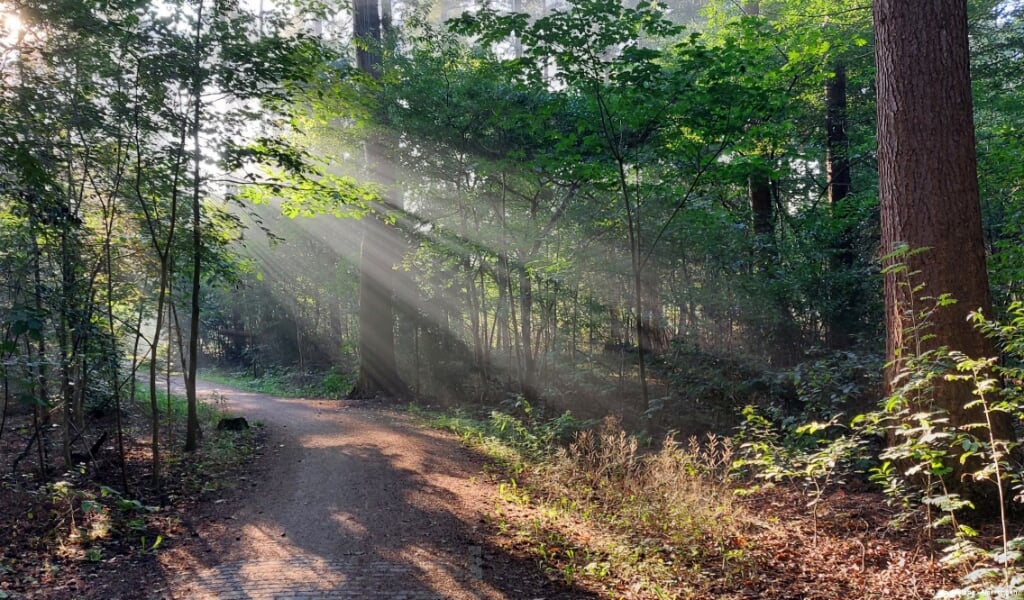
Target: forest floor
{"points": [[349, 500], [343, 501]]}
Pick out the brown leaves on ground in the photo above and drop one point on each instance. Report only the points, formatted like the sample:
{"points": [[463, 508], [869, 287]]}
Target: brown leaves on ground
{"points": [[613, 519], [71, 533], [856, 554], [577, 528], [856, 551]]}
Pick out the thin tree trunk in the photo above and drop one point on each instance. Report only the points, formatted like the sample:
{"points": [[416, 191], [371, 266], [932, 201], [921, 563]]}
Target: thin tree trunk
{"points": [[63, 347], [192, 431], [115, 380], [529, 374], [172, 322], [485, 327], [845, 300], [42, 397]]}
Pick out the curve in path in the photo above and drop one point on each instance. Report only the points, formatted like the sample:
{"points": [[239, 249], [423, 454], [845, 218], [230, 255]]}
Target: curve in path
{"points": [[350, 502]]}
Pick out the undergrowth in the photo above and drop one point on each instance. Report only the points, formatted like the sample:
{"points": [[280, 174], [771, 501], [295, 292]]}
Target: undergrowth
{"points": [[932, 469], [286, 383], [84, 515], [612, 513]]}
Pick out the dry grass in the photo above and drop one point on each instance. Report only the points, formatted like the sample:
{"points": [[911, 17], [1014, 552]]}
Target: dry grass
{"points": [[610, 516], [631, 522]]}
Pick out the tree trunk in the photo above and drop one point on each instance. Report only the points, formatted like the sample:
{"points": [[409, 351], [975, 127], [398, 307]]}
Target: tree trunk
{"points": [[837, 155], [655, 338], [192, 432], [378, 371], [529, 375], [778, 326], [845, 299], [366, 24], [41, 373], [760, 190], [928, 185], [114, 354]]}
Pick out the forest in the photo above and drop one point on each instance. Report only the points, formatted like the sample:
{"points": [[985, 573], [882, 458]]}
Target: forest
{"points": [[795, 223]]}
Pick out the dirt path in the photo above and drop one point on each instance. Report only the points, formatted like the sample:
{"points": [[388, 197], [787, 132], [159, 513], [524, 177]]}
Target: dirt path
{"points": [[349, 502]]}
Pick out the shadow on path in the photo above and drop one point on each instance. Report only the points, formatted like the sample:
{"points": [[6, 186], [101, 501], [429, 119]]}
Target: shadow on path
{"points": [[351, 503]]}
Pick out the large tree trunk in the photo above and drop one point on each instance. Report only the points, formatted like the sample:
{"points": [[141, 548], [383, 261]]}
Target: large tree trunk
{"points": [[378, 371], [928, 184]]}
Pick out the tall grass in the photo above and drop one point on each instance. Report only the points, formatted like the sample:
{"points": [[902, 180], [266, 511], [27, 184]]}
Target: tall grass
{"points": [[611, 513]]}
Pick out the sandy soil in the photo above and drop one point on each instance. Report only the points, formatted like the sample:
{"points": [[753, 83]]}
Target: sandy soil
{"points": [[349, 501]]}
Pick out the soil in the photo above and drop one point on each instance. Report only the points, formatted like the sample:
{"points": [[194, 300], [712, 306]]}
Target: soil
{"points": [[349, 501]]}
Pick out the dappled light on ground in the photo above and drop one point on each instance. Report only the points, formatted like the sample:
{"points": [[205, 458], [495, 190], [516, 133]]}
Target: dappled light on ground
{"points": [[350, 503]]}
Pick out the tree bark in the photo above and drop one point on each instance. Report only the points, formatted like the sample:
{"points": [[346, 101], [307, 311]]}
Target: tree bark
{"points": [[367, 30], [378, 371], [192, 429], [529, 378], [837, 155], [928, 184], [844, 300], [760, 191]]}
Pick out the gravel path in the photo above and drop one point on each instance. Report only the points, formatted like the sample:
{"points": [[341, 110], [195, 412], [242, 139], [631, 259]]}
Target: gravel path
{"points": [[349, 502]]}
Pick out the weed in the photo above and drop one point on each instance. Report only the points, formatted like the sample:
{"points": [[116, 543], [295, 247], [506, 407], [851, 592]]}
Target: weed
{"points": [[812, 457], [94, 554], [150, 547], [510, 492]]}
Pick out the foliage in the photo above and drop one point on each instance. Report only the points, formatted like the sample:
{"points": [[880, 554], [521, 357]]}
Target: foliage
{"points": [[612, 510], [288, 383], [84, 518], [520, 428], [815, 457], [996, 572], [843, 382], [926, 453]]}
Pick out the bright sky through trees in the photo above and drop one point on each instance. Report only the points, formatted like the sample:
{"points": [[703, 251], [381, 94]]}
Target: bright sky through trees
{"points": [[10, 27]]}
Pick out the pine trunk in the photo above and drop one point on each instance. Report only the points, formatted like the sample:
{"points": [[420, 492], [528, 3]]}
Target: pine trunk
{"points": [[928, 184]]}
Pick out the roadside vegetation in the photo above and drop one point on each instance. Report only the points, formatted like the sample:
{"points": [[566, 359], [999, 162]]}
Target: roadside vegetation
{"points": [[92, 529], [735, 314], [603, 509], [285, 382], [816, 505]]}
